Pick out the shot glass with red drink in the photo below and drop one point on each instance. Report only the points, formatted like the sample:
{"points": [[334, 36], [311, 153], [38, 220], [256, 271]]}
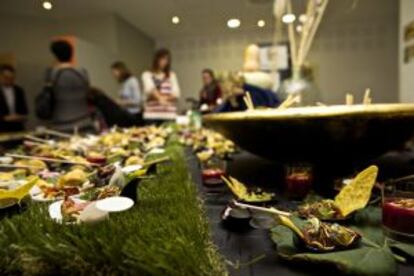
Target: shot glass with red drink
{"points": [[298, 180], [398, 208]]}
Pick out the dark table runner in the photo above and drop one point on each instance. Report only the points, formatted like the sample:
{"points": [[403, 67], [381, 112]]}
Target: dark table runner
{"points": [[245, 247]]}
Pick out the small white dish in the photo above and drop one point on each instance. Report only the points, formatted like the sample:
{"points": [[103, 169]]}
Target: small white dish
{"points": [[115, 204], [132, 168]]}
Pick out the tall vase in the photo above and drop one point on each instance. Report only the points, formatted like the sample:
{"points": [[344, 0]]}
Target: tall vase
{"points": [[301, 83]]}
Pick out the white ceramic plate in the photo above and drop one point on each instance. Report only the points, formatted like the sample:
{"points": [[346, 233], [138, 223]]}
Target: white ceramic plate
{"points": [[115, 204]]}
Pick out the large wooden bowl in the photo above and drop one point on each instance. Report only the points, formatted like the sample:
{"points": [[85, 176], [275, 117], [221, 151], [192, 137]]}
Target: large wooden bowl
{"points": [[334, 134]]}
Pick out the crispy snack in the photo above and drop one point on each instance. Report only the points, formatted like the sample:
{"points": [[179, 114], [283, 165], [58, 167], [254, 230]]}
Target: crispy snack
{"points": [[324, 209], [356, 195], [20, 192], [242, 193], [134, 160], [73, 178], [36, 165]]}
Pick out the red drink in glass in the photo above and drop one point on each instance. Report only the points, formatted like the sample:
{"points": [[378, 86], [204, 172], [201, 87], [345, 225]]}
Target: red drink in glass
{"points": [[398, 215]]}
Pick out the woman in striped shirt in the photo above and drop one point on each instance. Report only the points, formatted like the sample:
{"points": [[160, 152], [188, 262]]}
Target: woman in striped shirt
{"points": [[161, 85]]}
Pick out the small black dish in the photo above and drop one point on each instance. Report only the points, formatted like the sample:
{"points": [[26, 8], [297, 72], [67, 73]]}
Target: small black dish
{"points": [[236, 219]]}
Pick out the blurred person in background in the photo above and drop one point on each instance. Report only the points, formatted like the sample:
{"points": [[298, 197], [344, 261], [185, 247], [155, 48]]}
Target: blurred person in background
{"points": [[130, 96], [210, 94], [70, 91], [13, 107], [161, 86]]}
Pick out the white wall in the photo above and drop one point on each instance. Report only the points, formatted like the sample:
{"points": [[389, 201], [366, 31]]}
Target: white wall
{"points": [[406, 70], [353, 50], [101, 40]]}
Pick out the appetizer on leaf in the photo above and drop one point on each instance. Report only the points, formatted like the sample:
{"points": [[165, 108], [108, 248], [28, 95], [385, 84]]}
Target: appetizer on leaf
{"points": [[244, 194], [353, 197]]}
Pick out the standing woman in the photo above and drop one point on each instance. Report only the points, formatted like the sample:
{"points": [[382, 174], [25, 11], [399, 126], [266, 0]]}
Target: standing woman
{"points": [[161, 86], [130, 97]]}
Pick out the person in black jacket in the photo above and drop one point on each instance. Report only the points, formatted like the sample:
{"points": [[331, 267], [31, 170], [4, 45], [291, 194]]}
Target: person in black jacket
{"points": [[13, 107]]}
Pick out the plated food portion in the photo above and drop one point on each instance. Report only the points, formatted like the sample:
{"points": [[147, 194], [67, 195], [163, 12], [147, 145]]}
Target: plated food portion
{"points": [[77, 172], [351, 198]]}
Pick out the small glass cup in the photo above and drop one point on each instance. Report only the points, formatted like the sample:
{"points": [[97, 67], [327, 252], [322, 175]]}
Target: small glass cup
{"points": [[212, 171], [398, 208], [298, 180]]}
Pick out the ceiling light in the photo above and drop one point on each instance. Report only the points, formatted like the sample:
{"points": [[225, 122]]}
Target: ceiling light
{"points": [[47, 5], [175, 20], [303, 18], [299, 28], [288, 18], [233, 23], [261, 23]]}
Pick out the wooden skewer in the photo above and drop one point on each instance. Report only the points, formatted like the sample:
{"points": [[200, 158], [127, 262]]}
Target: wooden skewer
{"points": [[262, 209], [290, 100], [12, 166], [367, 99], [249, 98], [38, 140], [155, 161], [349, 99], [292, 38], [27, 142], [246, 102], [56, 133], [29, 157], [313, 30], [310, 13]]}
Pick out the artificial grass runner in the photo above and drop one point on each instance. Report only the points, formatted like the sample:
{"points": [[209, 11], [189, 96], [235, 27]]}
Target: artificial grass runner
{"points": [[166, 232]]}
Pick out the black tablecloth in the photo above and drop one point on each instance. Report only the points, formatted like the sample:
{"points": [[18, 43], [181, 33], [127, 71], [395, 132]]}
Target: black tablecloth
{"points": [[244, 247]]}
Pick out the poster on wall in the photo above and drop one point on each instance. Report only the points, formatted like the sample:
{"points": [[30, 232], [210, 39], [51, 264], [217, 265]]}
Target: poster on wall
{"points": [[409, 31], [409, 37], [274, 57]]}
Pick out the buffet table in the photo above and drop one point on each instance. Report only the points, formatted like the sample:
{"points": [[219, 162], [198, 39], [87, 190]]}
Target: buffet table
{"points": [[164, 233], [253, 252], [167, 231]]}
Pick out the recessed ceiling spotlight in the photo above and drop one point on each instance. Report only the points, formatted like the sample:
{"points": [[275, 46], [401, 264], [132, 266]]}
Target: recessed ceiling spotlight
{"points": [[288, 18], [303, 18], [233, 23], [175, 20], [299, 28], [47, 5], [261, 23]]}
